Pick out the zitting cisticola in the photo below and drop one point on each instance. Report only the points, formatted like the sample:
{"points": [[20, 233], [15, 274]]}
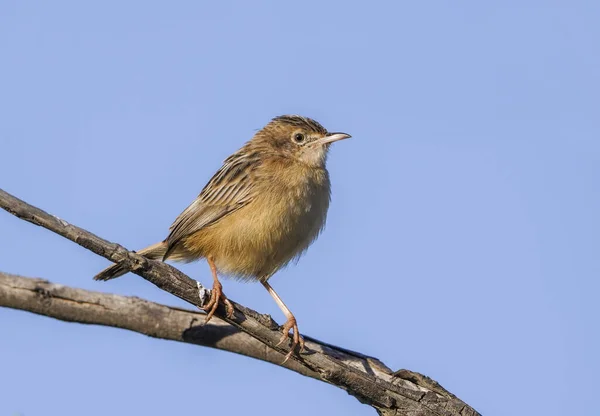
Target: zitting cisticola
{"points": [[263, 208]]}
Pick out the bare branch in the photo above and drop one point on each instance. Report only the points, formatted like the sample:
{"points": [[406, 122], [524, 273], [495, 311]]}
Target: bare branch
{"points": [[366, 378], [155, 320]]}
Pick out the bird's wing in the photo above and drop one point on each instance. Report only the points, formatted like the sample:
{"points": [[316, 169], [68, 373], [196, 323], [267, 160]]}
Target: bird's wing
{"points": [[227, 191]]}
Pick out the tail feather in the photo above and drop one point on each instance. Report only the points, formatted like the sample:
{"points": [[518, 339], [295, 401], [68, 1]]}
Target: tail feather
{"points": [[154, 252]]}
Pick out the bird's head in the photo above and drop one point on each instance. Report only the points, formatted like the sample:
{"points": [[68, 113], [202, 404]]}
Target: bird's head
{"points": [[299, 138]]}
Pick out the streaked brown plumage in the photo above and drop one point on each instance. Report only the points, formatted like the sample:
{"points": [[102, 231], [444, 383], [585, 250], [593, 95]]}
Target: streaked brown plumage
{"points": [[262, 209]]}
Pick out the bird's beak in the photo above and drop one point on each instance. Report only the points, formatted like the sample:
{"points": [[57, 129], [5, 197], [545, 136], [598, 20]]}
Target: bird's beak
{"points": [[333, 137]]}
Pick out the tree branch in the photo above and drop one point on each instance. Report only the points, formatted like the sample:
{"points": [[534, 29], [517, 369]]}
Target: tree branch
{"points": [[370, 381], [155, 320]]}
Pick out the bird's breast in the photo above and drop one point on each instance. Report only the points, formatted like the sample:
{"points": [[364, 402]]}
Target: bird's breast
{"points": [[283, 219]]}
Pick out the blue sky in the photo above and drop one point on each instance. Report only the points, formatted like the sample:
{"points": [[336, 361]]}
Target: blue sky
{"points": [[467, 200]]}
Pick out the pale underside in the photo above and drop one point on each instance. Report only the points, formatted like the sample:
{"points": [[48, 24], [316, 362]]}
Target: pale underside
{"points": [[249, 222]]}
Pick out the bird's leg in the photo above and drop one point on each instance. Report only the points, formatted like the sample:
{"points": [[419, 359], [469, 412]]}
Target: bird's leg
{"points": [[216, 294], [289, 324]]}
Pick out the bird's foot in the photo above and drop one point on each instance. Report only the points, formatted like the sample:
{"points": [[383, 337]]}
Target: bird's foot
{"points": [[216, 295], [296, 337]]}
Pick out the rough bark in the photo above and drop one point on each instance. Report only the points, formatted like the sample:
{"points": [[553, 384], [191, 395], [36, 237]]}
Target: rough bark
{"points": [[155, 320], [391, 393]]}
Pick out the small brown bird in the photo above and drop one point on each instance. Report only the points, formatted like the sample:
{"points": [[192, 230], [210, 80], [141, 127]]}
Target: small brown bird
{"points": [[262, 209]]}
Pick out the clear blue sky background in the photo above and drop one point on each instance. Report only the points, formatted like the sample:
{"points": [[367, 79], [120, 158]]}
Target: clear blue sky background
{"points": [[467, 200]]}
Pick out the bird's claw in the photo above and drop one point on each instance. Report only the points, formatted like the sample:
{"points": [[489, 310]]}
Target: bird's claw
{"points": [[296, 337], [216, 295]]}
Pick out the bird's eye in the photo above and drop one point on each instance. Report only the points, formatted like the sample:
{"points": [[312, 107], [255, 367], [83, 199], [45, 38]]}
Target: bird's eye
{"points": [[299, 138]]}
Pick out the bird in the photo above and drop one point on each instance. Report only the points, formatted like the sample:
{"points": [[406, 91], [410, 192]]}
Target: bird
{"points": [[260, 211]]}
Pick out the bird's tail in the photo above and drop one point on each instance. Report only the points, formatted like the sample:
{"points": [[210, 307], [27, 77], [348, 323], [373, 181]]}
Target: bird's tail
{"points": [[154, 252]]}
